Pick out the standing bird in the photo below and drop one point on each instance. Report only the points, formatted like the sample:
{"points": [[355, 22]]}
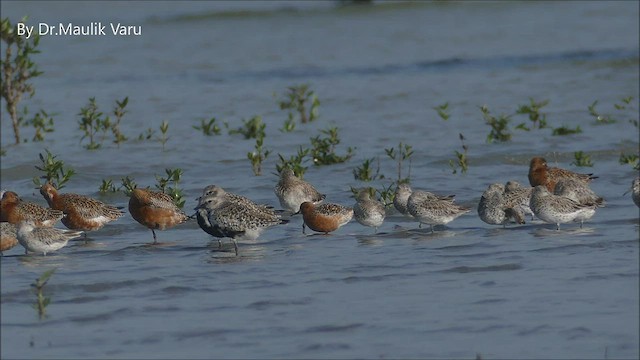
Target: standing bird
{"points": [[81, 212], [14, 210], [8, 237], [293, 191], [541, 174], [432, 209], [635, 191], [367, 211], [556, 209], [491, 207], [221, 217], [517, 198], [403, 191], [579, 192], [324, 217], [155, 210], [43, 239], [215, 190]]}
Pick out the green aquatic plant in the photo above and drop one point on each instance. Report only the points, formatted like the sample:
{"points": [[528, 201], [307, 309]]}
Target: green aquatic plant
{"points": [[626, 101], [365, 172], [600, 119], [17, 68], [461, 158], [42, 123], [582, 159], [538, 119], [499, 125], [323, 149], [563, 130], [127, 185], [208, 127], [251, 128], [631, 159], [118, 113], [403, 154], [295, 162], [54, 171], [443, 111], [148, 135], [42, 301], [296, 99], [92, 122], [164, 130], [107, 186], [164, 184], [259, 154]]}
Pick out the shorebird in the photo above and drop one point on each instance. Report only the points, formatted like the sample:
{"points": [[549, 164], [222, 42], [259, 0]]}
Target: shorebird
{"points": [[517, 198], [8, 237], [81, 212], [635, 191], [579, 192], [155, 210], [43, 239], [491, 207], [367, 211], [215, 190], [541, 174], [221, 217], [293, 191], [432, 209], [325, 217], [14, 210], [556, 209], [403, 191]]}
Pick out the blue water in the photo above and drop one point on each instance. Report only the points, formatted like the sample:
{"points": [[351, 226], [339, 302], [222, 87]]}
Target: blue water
{"points": [[522, 292]]}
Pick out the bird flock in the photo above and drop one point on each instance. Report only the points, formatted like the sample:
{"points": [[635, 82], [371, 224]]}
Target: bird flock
{"points": [[556, 196]]}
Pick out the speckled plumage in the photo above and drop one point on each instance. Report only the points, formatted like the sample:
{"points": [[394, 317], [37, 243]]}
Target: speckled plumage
{"points": [[516, 201], [579, 192], [155, 210], [325, 217], [215, 190], [8, 237], [432, 209], [293, 191], [556, 209], [491, 207], [367, 211], [635, 191], [43, 239], [400, 198], [14, 210], [81, 212], [221, 217], [541, 174]]}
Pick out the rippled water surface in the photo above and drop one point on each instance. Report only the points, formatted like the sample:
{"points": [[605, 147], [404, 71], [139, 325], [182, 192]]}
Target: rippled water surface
{"points": [[470, 288]]}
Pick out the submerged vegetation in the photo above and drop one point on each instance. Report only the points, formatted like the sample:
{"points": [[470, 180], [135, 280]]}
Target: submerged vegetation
{"points": [[42, 301], [54, 171]]}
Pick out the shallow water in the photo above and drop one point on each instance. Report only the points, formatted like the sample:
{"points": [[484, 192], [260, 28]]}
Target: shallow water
{"points": [[520, 292]]}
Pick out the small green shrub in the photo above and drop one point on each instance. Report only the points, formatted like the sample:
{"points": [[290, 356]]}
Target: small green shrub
{"points": [[323, 148], [54, 171], [600, 119], [538, 120], [563, 130], [499, 126], [403, 154], [296, 99], [42, 301], [582, 159], [365, 172], [208, 127], [163, 184], [443, 111], [295, 162], [251, 128], [461, 158]]}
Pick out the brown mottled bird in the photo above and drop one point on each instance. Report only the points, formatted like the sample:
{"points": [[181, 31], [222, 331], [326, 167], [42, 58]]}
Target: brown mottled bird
{"points": [[541, 174], [14, 210], [324, 217], [155, 210], [81, 212], [8, 237]]}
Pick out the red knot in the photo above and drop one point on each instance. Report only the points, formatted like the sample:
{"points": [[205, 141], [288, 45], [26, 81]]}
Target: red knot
{"points": [[81, 212], [14, 210], [400, 198], [324, 217], [541, 174], [8, 237], [155, 210]]}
